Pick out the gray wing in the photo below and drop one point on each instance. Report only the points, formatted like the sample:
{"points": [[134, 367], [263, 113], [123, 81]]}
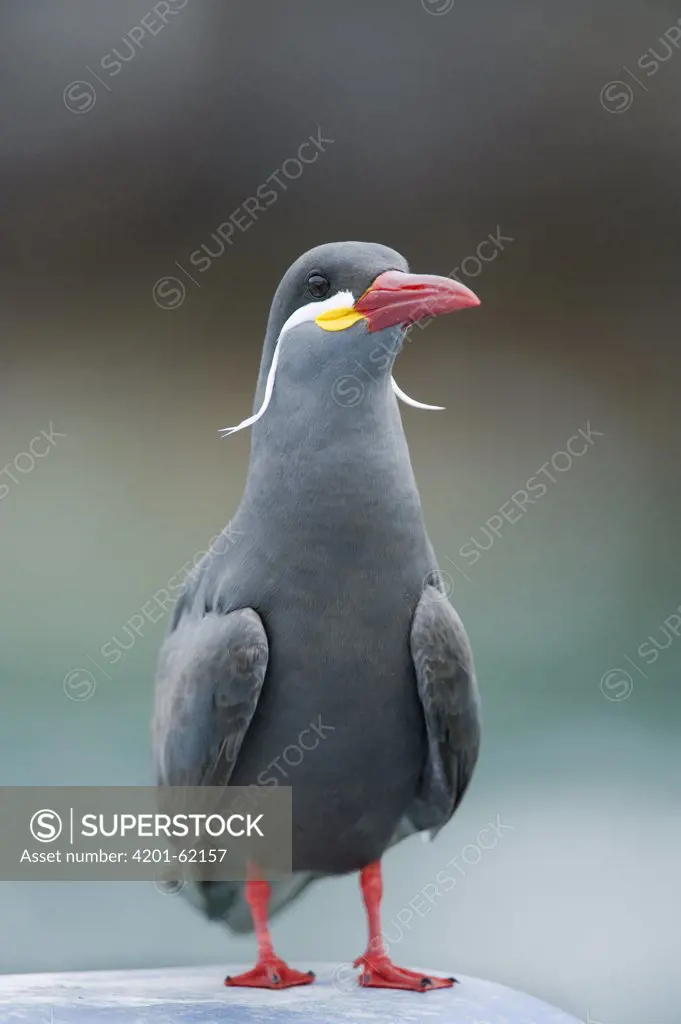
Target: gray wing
{"points": [[448, 691], [209, 679], [210, 676]]}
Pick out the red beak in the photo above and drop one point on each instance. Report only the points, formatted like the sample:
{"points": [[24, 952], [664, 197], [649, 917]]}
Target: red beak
{"points": [[399, 298]]}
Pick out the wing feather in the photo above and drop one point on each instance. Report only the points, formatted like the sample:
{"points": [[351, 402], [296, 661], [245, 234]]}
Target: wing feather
{"points": [[209, 679], [448, 691]]}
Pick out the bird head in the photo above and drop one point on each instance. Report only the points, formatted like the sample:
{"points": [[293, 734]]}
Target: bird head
{"points": [[347, 305]]}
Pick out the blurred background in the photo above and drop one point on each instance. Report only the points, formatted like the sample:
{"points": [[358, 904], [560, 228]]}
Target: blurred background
{"points": [[131, 132]]}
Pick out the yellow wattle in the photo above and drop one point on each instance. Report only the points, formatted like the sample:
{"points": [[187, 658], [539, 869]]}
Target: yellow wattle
{"points": [[338, 319]]}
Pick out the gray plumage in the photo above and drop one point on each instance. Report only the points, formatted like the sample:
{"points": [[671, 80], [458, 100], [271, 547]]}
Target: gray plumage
{"points": [[325, 611]]}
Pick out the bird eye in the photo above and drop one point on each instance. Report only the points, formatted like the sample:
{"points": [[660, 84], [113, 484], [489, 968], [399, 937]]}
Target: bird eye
{"points": [[317, 285]]}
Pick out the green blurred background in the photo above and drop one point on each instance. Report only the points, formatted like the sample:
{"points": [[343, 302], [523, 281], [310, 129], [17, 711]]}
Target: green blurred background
{"points": [[446, 128]]}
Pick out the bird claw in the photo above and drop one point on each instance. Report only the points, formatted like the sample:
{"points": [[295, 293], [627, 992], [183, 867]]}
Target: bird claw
{"points": [[273, 974], [381, 972]]}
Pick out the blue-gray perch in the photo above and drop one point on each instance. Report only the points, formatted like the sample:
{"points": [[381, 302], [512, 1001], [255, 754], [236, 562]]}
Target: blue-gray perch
{"points": [[195, 995]]}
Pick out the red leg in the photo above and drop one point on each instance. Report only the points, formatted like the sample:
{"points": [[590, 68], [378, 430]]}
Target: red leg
{"points": [[378, 970], [270, 971]]}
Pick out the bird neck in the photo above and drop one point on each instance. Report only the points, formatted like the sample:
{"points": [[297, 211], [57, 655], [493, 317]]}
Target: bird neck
{"points": [[313, 457]]}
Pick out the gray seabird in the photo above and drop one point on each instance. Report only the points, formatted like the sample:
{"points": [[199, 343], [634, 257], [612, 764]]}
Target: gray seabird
{"points": [[327, 609]]}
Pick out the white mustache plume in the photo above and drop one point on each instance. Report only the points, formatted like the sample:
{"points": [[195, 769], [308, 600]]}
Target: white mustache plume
{"points": [[304, 313]]}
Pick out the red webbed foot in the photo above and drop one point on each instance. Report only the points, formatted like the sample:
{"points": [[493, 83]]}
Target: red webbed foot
{"points": [[270, 973], [378, 971]]}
